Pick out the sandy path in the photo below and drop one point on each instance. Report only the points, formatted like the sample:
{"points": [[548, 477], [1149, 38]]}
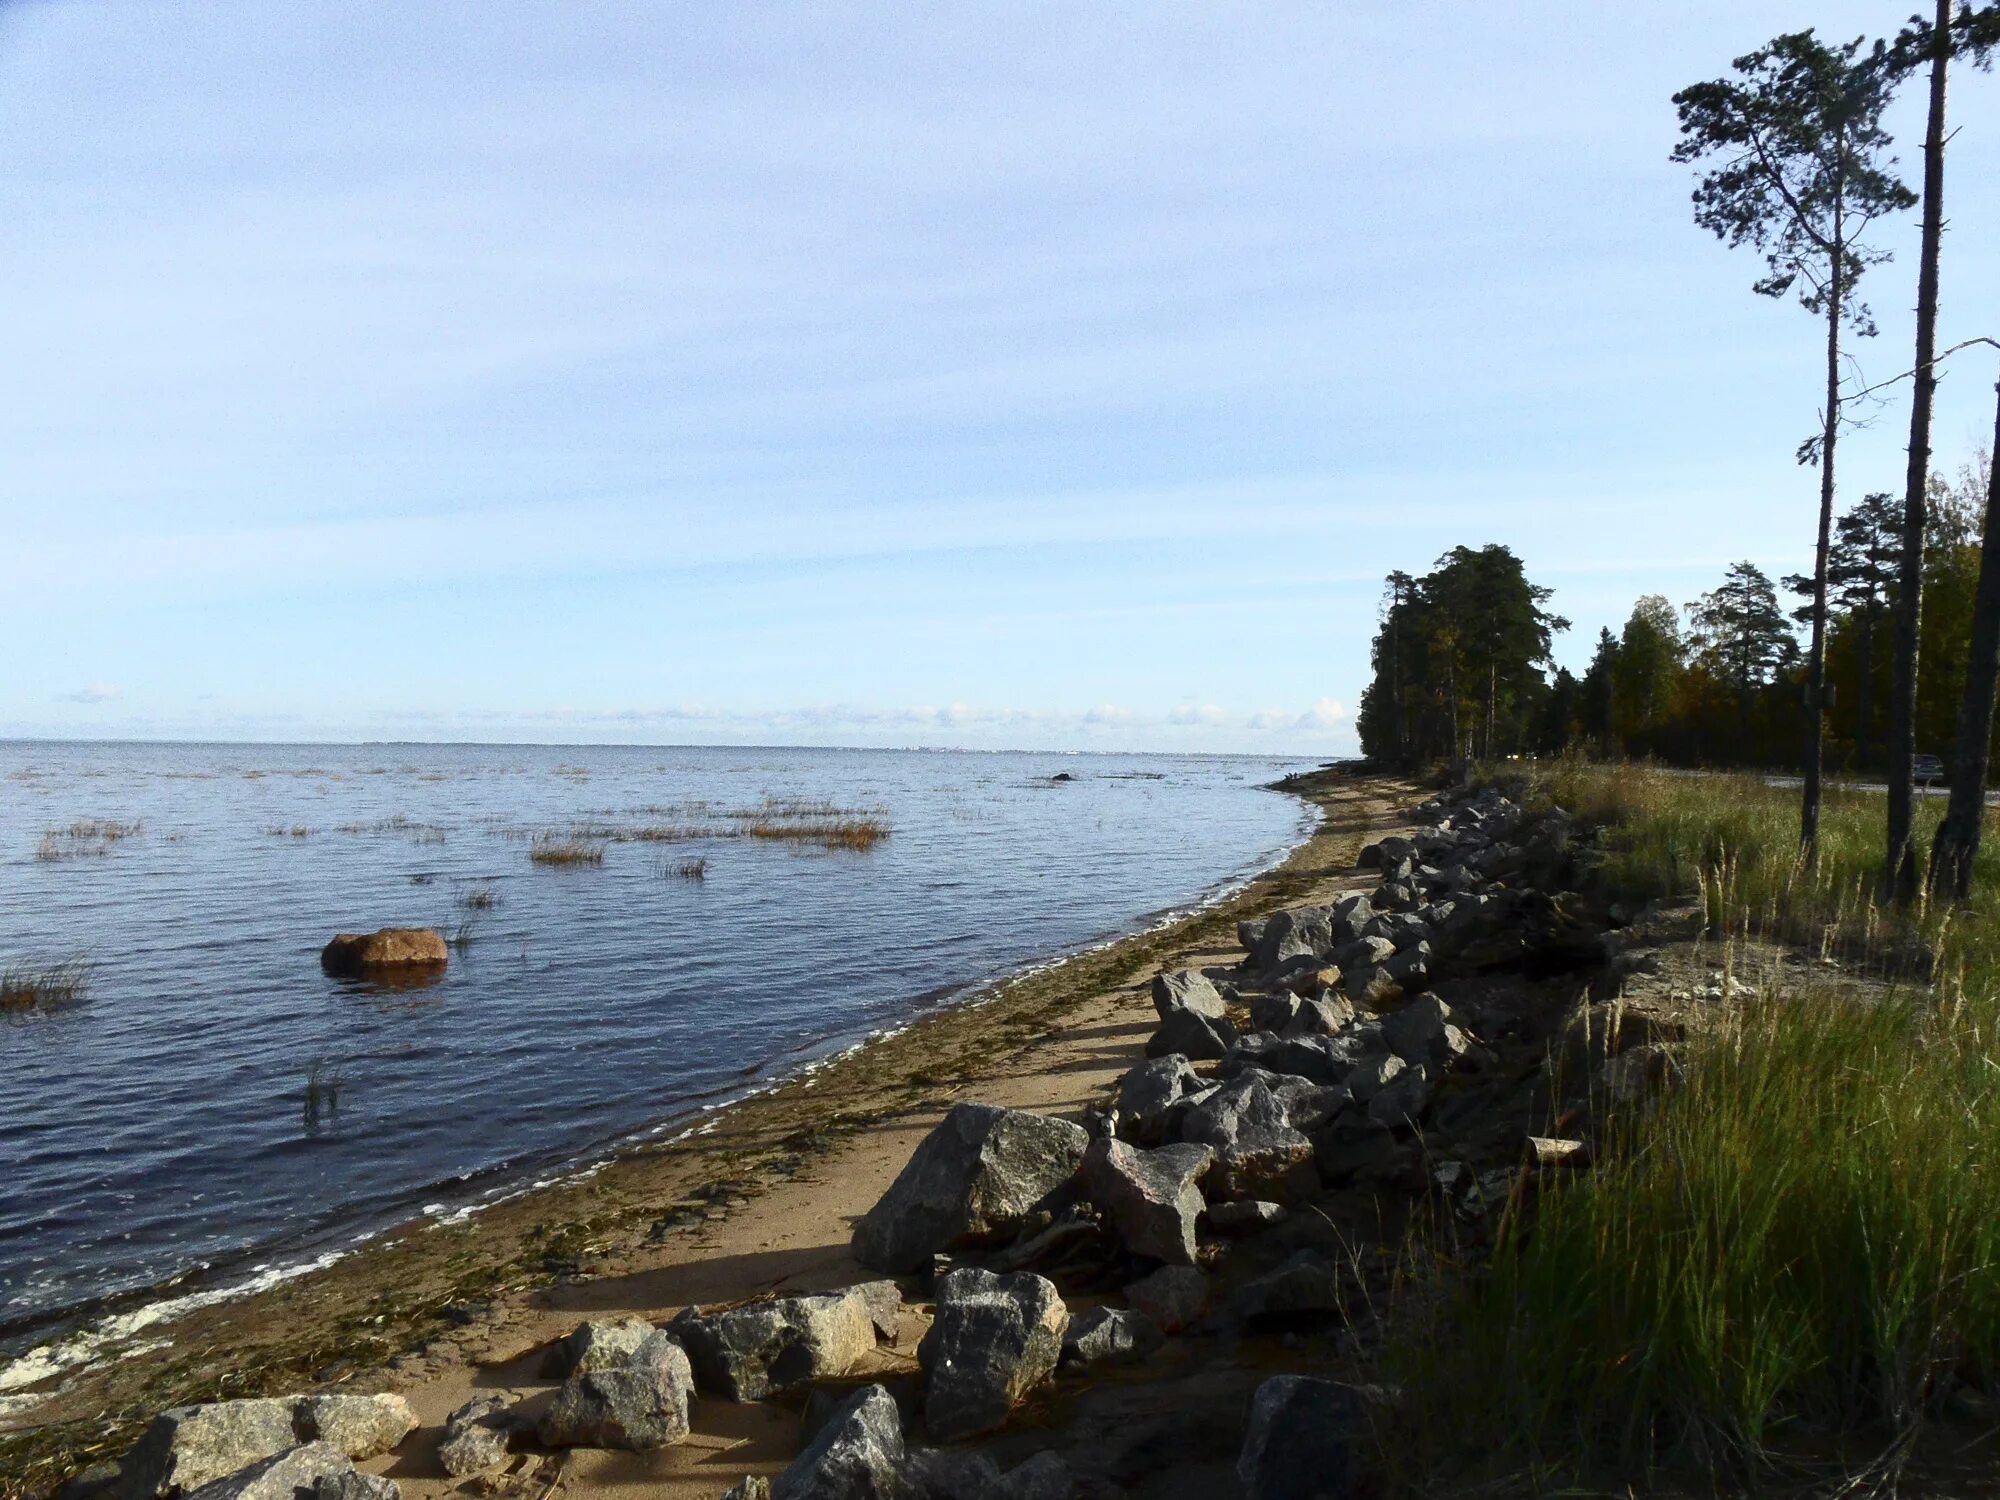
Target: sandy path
{"points": [[793, 1236]]}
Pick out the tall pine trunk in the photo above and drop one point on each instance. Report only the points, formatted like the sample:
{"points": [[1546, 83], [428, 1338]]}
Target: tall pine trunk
{"points": [[1864, 705], [1958, 837], [1830, 435], [1902, 871]]}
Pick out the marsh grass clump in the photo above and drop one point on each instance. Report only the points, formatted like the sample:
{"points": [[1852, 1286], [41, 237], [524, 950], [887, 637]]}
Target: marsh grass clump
{"points": [[683, 869], [86, 836], [479, 898], [792, 820], [31, 989], [565, 850], [294, 831], [856, 833]]}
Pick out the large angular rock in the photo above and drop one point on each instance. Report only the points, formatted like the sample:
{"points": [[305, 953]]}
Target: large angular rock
{"points": [[1306, 1283], [189, 1446], [597, 1343], [1300, 1442], [770, 1347], [1187, 990], [976, 1176], [1329, 1014], [1172, 1297], [359, 1426], [857, 1455], [1257, 1124], [1426, 1031], [1148, 1092], [301, 1470], [352, 1484], [994, 1338], [1403, 1101], [1306, 930], [1319, 1059], [1106, 1335], [477, 1436], [639, 1404], [1189, 1033], [1152, 1198]]}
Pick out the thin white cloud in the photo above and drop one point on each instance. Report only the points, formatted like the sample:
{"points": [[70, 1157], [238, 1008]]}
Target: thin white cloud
{"points": [[95, 692]]}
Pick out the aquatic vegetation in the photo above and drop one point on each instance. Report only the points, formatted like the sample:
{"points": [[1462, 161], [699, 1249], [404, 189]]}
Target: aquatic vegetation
{"points": [[684, 869], [29, 988], [565, 849], [295, 831], [479, 898], [322, 1095], [86, 836]]}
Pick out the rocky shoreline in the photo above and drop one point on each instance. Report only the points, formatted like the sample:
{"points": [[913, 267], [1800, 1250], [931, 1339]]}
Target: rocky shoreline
{"points": [[1166, 1294]]}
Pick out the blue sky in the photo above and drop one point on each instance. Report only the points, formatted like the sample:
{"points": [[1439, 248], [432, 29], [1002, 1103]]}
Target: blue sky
{"points": [[1037, 375]]}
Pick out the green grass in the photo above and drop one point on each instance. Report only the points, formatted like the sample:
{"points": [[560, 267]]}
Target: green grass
{"points": [[1793, 1251]]}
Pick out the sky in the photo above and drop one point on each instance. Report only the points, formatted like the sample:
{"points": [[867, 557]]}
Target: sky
{"points": [[997, 375]]}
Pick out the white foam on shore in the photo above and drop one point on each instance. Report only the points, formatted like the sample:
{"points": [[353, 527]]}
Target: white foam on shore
{"points": [[116, 1337]]}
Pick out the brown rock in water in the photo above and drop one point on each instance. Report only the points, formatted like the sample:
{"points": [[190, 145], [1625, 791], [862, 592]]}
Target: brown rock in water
{"points": [[356, 953]]}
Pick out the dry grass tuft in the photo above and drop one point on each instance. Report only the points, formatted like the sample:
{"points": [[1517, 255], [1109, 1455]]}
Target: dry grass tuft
{"points": [[565, 850], [857, 833], [27, 989]]}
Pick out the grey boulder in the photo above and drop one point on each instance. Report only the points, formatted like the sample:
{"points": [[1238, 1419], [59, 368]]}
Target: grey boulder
{"points": [[596, 1342], [308, 1469], [359, 1426], [190, 1446], [1148, 1092], [638, 1404], [767, 1348], [978, 1175], [1306, 1283], [856, 1455], [1152, 1198], [477, 1436], [1300, 1440], [994, 1338], [1172, 1297], [1108, 1335], [1186, 989], [1191, 1034]]}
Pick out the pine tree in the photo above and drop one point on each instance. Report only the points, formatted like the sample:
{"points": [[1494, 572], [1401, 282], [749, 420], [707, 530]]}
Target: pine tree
{"points": [[1803, 174]]}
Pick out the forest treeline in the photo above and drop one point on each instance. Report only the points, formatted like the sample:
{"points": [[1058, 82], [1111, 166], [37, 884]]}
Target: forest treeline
{"points": [[1901, 649], [1463, 662]]}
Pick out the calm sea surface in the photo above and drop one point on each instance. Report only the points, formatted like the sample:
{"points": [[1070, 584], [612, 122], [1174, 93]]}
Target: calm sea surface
{"points": [[165, 1124]]}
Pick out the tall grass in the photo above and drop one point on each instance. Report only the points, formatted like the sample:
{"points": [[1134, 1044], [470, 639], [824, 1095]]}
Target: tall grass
{"points": [[1797, 1245], [27, 989]]}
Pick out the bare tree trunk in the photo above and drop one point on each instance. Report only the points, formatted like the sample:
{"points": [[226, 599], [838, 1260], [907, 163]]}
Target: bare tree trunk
{"points": [[1816, 669], [1902, 872], [1864, 705], [1957, 842]]}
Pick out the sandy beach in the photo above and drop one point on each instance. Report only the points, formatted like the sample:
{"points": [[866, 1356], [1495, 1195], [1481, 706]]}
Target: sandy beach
{"points": [[762, 1201]]}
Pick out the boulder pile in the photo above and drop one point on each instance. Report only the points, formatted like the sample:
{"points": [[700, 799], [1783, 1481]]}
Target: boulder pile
{"points": [[1310, 1068]]}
